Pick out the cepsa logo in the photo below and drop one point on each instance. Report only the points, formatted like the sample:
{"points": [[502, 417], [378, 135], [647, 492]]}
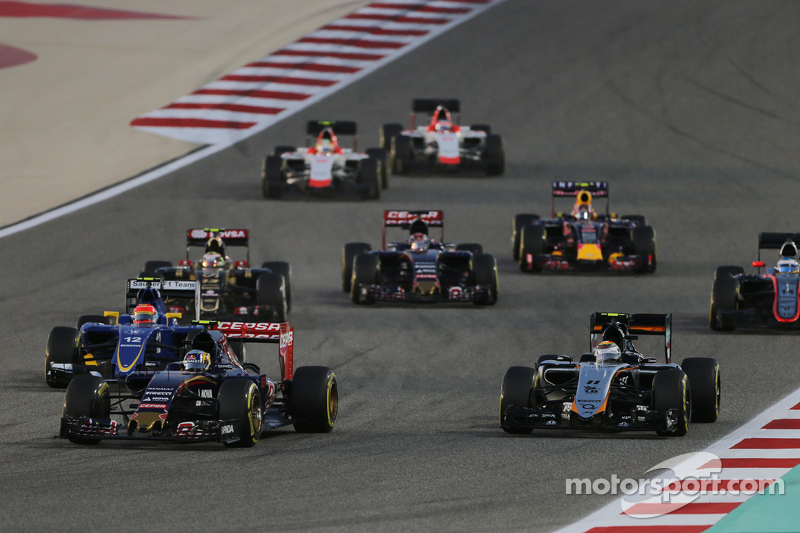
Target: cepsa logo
{"points": [[250, 330], [406, 215]]}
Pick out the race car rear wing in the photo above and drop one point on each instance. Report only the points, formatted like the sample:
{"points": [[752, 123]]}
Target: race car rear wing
{"points": [[637, 324], [339, 127], [199, 237], [266, 332], [404, 220], [598, 189], [775, 241], [167, 289], [429, 105]]}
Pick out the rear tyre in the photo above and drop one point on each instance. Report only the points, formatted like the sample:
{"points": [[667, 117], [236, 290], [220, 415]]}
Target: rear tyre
{"points": [[382, 156], [484, 272], [671, 391], [644, 244], [639, 219], [387, 132], [349, 252], [724, 295], [62, 349], [728, 271], [494, 155], [531, 242], [150, 267], [285, 269], [487, 129], [271, 291], [88, 396], [271, 182], [704, 382], [239, 400], [283, 149], [401, 155], [365, 273], [516, 391], [369, 178], [314, 399], [520, 221], [472, 247]]}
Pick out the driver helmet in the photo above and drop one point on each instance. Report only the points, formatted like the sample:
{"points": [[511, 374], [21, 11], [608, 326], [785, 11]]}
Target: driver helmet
{"points": [[607, 352], [324, 146], [196, 361], [444, 126], [144, 315], [584, 212], [419, 243], [788, 266], [213, 260]]}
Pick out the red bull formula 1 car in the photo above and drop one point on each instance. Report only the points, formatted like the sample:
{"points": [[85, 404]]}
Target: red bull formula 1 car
{"points": [[418, 268], [325, 167], [759, 300], [209, 395], [583, 239], [613, 387], [442, 144]]}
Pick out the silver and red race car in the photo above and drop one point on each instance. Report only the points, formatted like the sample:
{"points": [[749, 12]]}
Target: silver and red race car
{"points": [[325, 167], [442, 144]]}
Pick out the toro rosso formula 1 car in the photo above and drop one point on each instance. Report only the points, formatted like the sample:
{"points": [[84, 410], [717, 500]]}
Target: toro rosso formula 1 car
{"points": [[208, 395], [442, 144], [418, 268], [759, 300], [613, 387], [228, 288], [325, 167], [583, 239]]}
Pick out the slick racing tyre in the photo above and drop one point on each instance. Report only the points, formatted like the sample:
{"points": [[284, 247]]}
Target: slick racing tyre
{"points": [[724, 295], [239, 400], [519, 222], [516, 391], [365, 273], [487, 129], [369, 178], [494, 155], [471, 247], [271, 291], [704, 382], [671, 391], [100, 319], [401, 155], [349, 252], [728, 272], [284, 268], [484, 273], [639, 219], [382, 156], [150, 267], [283, 149], [62, 349], [387, 133], [644, 245], [271, 177], [531, 242], [88, 396], [314, 399]]}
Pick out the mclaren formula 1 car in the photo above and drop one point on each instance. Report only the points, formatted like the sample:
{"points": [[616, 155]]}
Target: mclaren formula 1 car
{"points": [[614, 386], [418, 268], [209, 395], [228, 288], [759, 300], [325, 167], [583, 239], [442, 144]]}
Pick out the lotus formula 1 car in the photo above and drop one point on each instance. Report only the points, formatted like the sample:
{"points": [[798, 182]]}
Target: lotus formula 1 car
{"points": [[418, 268], [208, 395], [442, 144], [228, 288], [325, 167], [583, 239], [759, 300], [613, 387]]}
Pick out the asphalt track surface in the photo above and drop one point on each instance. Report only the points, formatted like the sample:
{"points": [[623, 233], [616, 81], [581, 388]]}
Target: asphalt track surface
{"points": [[688, 109]]}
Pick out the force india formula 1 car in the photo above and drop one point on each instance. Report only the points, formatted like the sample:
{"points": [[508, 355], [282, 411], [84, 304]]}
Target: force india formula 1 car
{"points": [[759, 300], [418, 268], [325, 167], [442, 144], [583, 239], [223, 400], [614, 387], [228, 288]]}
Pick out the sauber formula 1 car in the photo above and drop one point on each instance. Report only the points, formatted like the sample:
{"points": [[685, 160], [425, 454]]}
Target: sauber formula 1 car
{"points": [[325, 167], [418, 269], [759, 300], [208, 396], [442, 144], [613, 387], [583, 239], [228, 288], [112, 343]]}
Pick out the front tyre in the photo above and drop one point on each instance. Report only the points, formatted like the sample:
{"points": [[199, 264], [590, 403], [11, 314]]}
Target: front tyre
{"points": [[705, 384], [365, 274], [516, 391], [271, 177], [520, 221], [532, 242], [90, 397], [239, 400], [671, 391], [314, 399], [484, 272], [349, 252], [724, 295], [644, 245]]}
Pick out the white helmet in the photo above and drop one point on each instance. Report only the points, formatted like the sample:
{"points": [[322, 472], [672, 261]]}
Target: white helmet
{"points": [[607, 352], [788, 266]]}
